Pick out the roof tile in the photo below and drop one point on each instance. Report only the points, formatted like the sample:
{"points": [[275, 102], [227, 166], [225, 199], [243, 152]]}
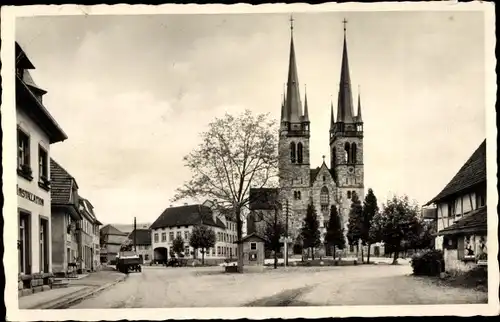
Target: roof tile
{"points": [[186, 216]]}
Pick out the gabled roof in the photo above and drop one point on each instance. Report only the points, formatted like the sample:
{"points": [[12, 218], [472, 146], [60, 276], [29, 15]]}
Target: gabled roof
{"points": [[263, 198], [247, 237], [473, 172], [61, 182], [110, 230], [474, 222], [187, 216], [88, 210], [143, 236], [314, 172]]}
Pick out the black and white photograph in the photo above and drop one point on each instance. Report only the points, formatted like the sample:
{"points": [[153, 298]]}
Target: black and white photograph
{"points": [[233, 160]]}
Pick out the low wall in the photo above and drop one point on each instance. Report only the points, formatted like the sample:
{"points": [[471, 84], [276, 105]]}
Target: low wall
{"points": [[452, 263]]}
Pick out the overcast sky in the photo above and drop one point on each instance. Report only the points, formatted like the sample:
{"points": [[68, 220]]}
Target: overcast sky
{"points": [[133, 92]]}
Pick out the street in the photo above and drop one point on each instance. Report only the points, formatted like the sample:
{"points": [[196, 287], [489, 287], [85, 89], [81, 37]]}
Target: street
{"points": [[160, 287]]}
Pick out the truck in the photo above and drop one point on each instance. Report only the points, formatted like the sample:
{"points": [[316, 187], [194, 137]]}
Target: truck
{"points": [[127, 261]]}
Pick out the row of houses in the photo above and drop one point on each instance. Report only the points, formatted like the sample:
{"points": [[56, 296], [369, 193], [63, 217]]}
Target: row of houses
{"points": [[154, 243], [460, 215], [58, 230]]}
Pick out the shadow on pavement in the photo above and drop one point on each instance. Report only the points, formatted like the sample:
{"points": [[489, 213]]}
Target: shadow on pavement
{"points": [[285, 298]]}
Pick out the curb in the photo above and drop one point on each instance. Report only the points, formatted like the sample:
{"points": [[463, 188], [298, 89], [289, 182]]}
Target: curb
{"points": [[65, 303]]}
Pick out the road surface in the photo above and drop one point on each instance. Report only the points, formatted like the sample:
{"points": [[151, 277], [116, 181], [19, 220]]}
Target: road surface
{"points": [[161, 287]]}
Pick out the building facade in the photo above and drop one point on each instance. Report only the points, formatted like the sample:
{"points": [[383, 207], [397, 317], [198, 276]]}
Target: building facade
{"points": [[325, 185], [66, 219], [141, 238], [180, 221], [89, 237], [461, 215], [36, 131], [111, 240]]}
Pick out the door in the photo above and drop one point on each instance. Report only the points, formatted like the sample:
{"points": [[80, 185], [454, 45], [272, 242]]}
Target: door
{"points": [[24, 243], [44, 246]]}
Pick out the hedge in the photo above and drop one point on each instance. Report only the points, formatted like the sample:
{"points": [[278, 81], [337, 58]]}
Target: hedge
{"points": [[428, 263]]}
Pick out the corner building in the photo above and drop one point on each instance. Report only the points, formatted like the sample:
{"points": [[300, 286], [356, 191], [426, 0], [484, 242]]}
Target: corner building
{"points": [[325, 185]]}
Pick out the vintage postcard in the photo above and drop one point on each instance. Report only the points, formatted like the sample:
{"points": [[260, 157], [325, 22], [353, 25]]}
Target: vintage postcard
{"points": [[228, 161]]}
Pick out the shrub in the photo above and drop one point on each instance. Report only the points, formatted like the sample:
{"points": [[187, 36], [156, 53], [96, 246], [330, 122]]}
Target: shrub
{"points": [[428, 263]]}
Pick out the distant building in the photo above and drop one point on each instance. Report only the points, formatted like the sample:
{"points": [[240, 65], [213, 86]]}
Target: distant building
{"points": [[36, 131], [128, 228], [143, 243], [89, 236], [180, 221], [111, 240], [462, 215]]}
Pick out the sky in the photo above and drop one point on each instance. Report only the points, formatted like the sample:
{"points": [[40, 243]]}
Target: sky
{"points": [[134, 92]]}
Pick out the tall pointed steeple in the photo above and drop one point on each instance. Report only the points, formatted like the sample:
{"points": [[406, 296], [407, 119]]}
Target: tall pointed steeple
{"points": [[345, 110], [332, 116], [283, 107], [359, 119], [293, 105], [305, 118]]}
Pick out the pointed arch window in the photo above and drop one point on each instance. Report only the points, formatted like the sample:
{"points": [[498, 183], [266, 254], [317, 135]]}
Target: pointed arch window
{"points": [[353, 152], [324, 199], [348, 194], [292, 152], [299, 153], [347, 152]]}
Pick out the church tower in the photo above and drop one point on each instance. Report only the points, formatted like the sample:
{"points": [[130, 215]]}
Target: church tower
{"points": [[294, 164], [346, 141]]}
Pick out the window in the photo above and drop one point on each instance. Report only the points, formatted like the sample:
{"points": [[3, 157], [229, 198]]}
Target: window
{"points": [[325, 224], [299, 153], [186, 250], [353, 153], [218, 250], [23, 151], [324, 197], [171, 236], [186, 235], [324, 178], [146, 257], [179, 234], [163, 237], [297, 195], [292, 152], [253, 246], [213, 251], [156, 237], [334, 156], [324, 208], [480, 199], [42, 163], [348, 194], [347, 149]]}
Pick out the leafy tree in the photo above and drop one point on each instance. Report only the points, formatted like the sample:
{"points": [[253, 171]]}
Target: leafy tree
{"points": [[370, 209], [202, 238], [178, 245], [236, 153], [335, 232], [397, 222], [355, 224], [273, 231], [310, 229]]}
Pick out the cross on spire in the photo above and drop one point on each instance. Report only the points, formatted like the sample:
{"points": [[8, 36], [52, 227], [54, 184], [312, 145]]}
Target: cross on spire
{"points": [[291, 22], [344, 22], [323, 156]]}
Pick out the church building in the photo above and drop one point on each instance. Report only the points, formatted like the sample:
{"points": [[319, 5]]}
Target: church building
{"points": [[328, 184]]}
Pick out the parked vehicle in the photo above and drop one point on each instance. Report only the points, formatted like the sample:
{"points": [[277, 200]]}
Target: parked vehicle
{"points": [[128, 261]]}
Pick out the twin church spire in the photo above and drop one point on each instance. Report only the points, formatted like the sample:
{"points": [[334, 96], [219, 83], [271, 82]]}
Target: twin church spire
{"points": [[291, 107]]}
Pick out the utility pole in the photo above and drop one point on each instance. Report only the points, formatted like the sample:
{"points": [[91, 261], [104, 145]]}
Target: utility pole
{"points": [[275, 237], [135, 234]]}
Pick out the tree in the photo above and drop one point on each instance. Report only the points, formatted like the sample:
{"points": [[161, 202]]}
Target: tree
{"points": [[273, 231], [310, 229], [335, 232], [178, 245], [370, 209], [355, 224], [397, 222], [202, 238], [236, 153]]}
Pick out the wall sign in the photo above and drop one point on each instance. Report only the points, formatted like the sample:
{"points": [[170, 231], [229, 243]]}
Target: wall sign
{"points": [[29, 196]]}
